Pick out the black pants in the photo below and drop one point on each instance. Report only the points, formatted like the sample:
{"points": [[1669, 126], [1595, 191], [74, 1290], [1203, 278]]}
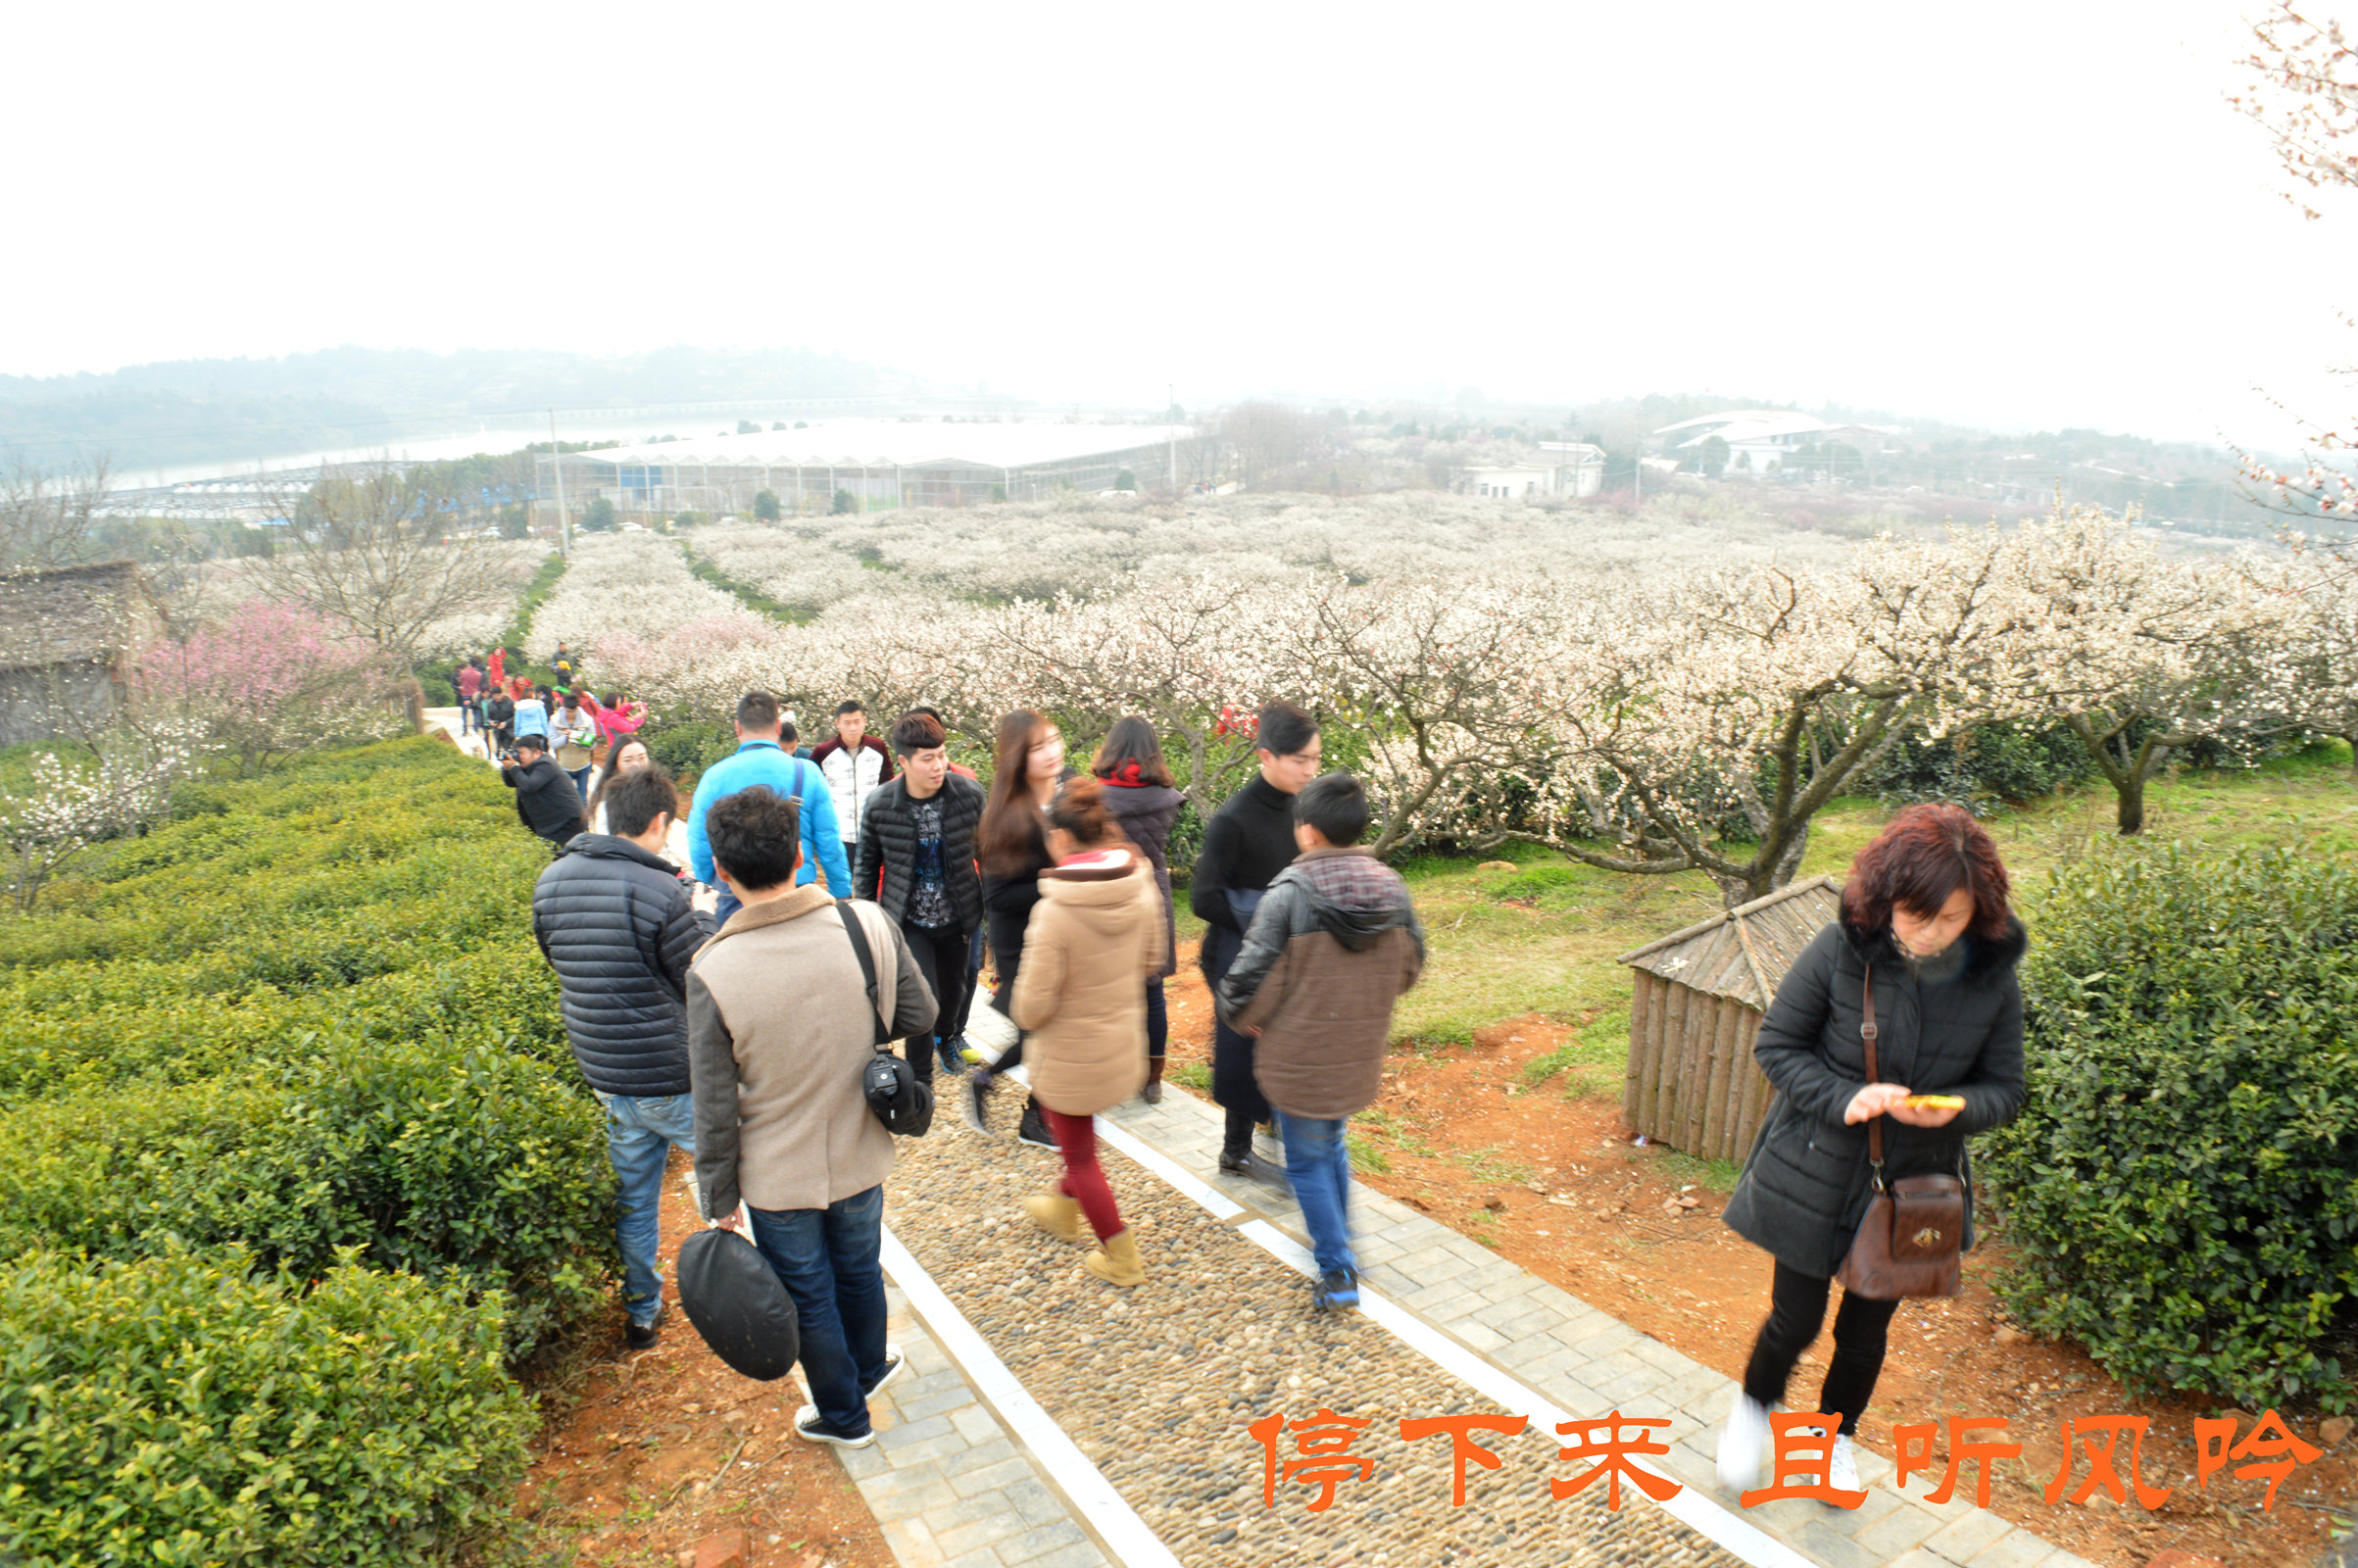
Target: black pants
{"points": [[974, 957], [941, 955], [1234, 1088], [1797, 1309], [1158, 1020]]}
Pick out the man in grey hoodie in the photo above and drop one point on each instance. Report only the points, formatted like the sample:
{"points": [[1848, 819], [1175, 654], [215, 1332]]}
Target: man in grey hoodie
{"points": [[1331, 948]]}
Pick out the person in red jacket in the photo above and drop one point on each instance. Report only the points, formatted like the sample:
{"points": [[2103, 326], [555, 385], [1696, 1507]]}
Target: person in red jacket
{"points": [[470, 686]]}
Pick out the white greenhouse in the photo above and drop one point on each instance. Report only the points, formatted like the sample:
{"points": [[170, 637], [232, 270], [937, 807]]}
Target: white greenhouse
{"points": [[879, 464]]}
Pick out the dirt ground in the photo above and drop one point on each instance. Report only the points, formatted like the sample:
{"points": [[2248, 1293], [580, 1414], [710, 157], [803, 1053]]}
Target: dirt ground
{"points": [[626, 1473], [1552, 1181]]}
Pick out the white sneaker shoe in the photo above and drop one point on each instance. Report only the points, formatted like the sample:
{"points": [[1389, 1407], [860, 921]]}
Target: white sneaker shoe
{"points": [[1841, 1466], [1741, 1442]]}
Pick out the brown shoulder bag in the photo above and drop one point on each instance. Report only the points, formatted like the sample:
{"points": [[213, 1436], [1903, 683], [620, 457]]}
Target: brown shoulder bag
{"points": [[1914, 1229]]}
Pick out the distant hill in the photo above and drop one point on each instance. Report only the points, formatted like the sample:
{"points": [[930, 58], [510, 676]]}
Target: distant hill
{"points": [[194, 410]]}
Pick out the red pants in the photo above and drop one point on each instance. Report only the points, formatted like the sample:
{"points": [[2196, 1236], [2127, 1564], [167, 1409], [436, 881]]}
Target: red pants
{"points": [[1076, 1140]]}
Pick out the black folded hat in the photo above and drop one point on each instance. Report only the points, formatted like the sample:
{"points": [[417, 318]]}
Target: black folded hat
{"points": [[734, 1298]]}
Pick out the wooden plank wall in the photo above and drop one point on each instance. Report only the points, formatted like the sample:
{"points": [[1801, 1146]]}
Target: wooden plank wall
{"points": [[1692, 1082]]}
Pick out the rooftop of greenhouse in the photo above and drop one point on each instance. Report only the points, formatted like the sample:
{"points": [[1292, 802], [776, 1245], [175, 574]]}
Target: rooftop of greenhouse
{"points": [[898, 443]]}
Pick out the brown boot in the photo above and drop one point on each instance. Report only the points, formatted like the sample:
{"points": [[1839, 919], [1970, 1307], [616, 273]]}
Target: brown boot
{"points": [[1152, 1093], [1059, 1215], [1116, 1260]]}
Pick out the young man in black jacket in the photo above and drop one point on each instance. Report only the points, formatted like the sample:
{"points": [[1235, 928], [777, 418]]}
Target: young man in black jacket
{"points": [[916, 857], [1246, 843], [616, 922], [546, 801]]}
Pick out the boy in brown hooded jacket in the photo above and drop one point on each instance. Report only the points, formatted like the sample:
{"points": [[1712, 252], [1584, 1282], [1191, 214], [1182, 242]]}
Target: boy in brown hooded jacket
{"points": [[1333, 945]]}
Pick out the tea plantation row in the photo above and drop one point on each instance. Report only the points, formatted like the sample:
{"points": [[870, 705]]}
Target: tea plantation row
{"points": [[299, 1167]]}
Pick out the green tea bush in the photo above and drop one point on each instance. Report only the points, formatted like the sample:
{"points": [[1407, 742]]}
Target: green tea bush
{"points": [[460, 1164], [185, 1410], [2182, 1188], [86, 1026], [302, 1033]]}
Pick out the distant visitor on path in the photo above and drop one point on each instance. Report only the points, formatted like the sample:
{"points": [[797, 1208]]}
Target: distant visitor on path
{"points": [[1095, 936], [573, 734], [1926, 923], [531, 710], [855, 762], [1143, 803], [1246, 843], [469, 684], [614, 920], [779, 1036], [1333, 944]]}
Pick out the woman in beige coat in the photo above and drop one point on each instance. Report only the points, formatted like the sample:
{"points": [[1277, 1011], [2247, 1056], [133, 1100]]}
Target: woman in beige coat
{"points": [[1095, 937]]}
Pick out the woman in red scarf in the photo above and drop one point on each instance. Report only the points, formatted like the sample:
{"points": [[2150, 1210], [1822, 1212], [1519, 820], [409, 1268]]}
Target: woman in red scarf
{"points": [[1140, 798]]}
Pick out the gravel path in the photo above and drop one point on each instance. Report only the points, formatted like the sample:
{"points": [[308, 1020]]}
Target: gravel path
{"points": [[1158, 1384]]}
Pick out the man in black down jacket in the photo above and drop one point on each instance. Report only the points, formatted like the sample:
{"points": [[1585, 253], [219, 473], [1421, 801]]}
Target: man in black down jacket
{"points": [[916, 857], [613, 918], [546, 801]]}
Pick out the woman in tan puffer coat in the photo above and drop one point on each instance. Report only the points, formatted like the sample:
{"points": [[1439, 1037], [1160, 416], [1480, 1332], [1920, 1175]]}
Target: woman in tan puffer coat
{"points": [[1095, 937]]}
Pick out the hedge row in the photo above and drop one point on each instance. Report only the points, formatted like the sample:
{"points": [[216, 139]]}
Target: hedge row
{"points": [[2182, 1189], [187, 1410], [299, 1165]]}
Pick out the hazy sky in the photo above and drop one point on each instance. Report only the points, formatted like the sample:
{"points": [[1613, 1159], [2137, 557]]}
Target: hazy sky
{"points": [[2017, 214]]}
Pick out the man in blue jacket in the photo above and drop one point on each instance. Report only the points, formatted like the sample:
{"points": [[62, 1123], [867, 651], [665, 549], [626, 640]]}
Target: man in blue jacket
{"points": [[760, 760]]}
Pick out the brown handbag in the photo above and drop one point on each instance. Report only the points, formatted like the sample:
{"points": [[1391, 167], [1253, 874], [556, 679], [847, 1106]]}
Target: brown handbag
{"points": [[1914, 1229]]}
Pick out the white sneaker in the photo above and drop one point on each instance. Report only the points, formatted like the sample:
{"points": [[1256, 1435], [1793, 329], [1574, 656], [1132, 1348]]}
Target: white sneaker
{"points": [[1841, 1466], [1741, 1442]]}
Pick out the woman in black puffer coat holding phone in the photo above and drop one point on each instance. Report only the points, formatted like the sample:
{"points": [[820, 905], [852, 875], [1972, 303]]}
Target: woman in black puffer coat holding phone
{"points": [[1925, 915]]}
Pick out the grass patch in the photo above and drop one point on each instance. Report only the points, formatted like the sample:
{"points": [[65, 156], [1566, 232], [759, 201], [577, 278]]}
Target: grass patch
{"points": [[1393, 1132], [1364, 1155], [1552, 950], [1602, 1042], [1495, 1164], [1194, 1075], [1717, 1174]]}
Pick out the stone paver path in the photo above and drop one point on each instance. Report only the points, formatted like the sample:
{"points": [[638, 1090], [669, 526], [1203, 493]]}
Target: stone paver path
{"points": [[946, 1480], [1158, 1384]]}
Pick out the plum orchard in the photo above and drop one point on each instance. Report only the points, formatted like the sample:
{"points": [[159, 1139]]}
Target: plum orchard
{"points": [[1679, 719]]}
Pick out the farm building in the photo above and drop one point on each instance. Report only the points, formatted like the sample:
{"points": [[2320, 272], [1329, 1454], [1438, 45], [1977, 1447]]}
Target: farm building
{"points": [[69, 639], [1698, 1000], [1562, 468], [1762, 440], [880, 462]]}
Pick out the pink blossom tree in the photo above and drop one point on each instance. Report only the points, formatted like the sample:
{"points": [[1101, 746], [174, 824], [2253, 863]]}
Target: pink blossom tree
{"points": [[268, 680]]}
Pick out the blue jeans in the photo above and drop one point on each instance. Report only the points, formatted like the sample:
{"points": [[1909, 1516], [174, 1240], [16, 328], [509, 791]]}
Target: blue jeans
{"points": [[580, 778], [1319, 1164], [828, 1258], [639, 1132]]}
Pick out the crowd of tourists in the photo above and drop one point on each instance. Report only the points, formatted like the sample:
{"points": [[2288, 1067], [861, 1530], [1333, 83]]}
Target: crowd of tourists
{"points": [[875, 872]]}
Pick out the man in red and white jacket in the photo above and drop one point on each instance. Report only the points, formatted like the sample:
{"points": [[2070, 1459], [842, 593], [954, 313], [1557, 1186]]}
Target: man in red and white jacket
{"points": [[853, 762]]}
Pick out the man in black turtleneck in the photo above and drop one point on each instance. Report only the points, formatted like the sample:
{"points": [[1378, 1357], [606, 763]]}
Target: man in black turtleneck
{"points": [[1246, 843]]}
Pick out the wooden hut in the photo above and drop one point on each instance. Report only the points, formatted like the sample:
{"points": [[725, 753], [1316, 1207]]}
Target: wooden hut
{"points": [[69, 637], [1700, 996]]}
